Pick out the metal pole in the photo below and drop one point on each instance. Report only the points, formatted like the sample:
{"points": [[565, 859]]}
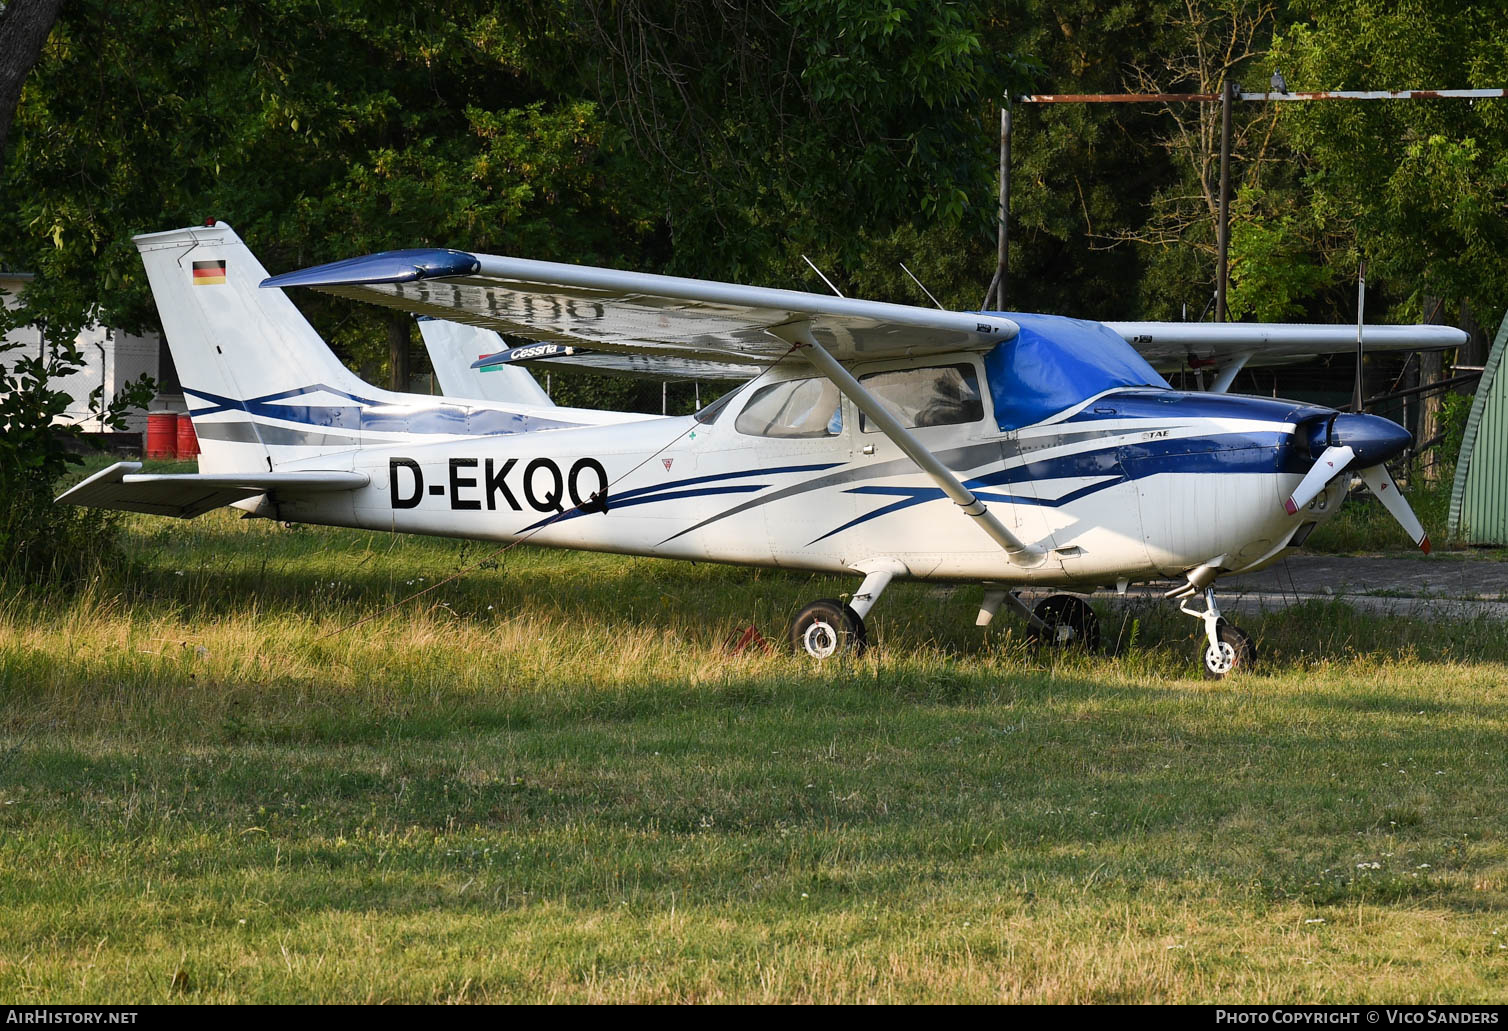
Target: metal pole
{"points": [[1002, 262], [104, 380], [1360, 390], [1226, 93]]}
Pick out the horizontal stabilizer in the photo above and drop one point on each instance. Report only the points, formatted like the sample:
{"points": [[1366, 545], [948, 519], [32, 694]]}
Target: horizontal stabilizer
{"points": [[186, 495]]}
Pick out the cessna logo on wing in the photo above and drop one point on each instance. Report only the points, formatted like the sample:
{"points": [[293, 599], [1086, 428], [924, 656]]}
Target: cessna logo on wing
{"points": [[521, 354], [474, 483]]}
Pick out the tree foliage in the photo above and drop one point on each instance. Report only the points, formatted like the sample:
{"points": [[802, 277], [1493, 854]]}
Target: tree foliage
{"points": [[24, 25], [318, 129], [40, 541], [726, 140], [1419, 188]]}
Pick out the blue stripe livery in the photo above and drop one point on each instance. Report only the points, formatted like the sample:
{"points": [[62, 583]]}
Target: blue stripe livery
{"points": [[368, 415]]}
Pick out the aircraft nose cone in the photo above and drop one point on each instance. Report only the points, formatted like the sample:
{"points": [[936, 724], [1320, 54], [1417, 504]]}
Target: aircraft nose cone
{"points": [[1373, 438]]}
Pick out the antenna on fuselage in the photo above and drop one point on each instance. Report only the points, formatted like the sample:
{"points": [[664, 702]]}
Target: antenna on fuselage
{"points": [[829, 282], [919, 283], [1361, 303]]}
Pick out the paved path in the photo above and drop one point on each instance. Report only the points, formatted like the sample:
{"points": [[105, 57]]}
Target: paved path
{"points": [[1447, 585], [1451, 574]]}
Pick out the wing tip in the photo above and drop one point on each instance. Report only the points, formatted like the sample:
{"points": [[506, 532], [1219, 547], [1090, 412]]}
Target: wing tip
{"points": [[406, 266]]}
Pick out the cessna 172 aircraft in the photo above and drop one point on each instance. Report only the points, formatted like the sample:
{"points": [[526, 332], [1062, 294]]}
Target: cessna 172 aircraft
{"points": [[878, 440]]}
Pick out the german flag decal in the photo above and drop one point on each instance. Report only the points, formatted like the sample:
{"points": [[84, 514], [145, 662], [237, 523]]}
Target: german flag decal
{"points": [[209, 273]]}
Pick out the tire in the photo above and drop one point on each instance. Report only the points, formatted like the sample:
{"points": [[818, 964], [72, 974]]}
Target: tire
{"points": [[1236, 652], [827, 628], [1070, 623]]}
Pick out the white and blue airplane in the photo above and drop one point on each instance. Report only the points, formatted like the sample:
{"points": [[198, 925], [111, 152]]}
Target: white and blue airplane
{"points": [[876, 440]]}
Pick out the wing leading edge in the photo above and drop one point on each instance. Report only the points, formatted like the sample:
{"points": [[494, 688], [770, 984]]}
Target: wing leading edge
{"points": [[686, 322], [639, 313], [1168, 344]]}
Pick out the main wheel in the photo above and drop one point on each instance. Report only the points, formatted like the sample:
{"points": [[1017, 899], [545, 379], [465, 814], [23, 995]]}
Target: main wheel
{"points": [[1235, 651], [826, 628], [1067, 622]]}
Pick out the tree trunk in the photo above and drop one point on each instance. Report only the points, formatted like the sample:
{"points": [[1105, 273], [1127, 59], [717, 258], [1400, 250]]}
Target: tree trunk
{"points": [[1430, 365], [1475, 351], [1431, 370], [399, 337], [24, 25]]}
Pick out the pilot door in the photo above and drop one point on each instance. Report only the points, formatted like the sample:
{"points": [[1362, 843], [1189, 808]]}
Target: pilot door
{"points": [[902, 512], [799, 456]]}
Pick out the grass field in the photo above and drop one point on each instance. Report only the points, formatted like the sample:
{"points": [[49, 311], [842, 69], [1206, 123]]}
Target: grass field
{"points": [[548, 780]]}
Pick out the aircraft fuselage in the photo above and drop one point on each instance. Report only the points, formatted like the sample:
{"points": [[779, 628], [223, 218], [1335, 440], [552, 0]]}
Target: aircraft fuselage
{"points": [[1134, 484]]}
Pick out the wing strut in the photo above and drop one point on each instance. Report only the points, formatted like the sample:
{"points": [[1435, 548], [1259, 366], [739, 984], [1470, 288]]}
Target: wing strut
{"points": [[1228, 372], [1020, 553]]}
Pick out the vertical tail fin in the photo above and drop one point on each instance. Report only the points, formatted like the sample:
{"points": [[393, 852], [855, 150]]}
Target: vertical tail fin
{"points": [[453, 347], [260, 383]]}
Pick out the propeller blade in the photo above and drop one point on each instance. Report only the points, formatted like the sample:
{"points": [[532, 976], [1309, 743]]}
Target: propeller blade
{"points": [[1331, 464], [1385, 490]]}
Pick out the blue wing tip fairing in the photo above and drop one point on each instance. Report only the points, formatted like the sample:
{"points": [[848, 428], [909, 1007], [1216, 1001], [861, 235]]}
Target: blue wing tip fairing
{"points": [[404, 266]]}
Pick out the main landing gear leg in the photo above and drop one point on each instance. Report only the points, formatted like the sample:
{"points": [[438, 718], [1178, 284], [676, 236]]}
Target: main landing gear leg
{"points": [[1060, 620], [828, 627], [1228, 647]]}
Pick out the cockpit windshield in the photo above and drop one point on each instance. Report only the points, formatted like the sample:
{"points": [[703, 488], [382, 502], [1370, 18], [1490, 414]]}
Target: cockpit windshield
{"points": [[1055, 363]]}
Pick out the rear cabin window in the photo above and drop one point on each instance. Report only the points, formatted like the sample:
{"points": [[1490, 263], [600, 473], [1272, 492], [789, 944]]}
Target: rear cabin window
{"points": [[943, 395], [795, 408]]}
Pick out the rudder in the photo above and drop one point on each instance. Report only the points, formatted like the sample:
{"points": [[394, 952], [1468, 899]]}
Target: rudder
{"points": [[240, 349]]}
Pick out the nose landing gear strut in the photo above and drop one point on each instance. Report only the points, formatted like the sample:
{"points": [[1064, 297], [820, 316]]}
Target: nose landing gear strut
{"points": [[1228, 647]]}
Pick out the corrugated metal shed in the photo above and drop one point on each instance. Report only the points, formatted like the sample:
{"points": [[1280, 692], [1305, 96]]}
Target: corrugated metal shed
{"points": [[1479, 496]]}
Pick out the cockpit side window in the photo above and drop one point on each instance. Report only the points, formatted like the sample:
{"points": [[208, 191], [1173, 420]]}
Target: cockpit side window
{"points": [[795, 408], [943, 395]]}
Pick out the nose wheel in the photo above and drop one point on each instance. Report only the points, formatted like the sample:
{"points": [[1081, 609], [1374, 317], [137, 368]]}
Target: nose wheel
{"points": [[1227, 648], [827, 628], [1233, 650]]}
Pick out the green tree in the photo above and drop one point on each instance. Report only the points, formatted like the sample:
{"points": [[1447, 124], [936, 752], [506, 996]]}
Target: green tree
{"points": [[1418, 188], [319, 129], [802, 126], [1086, 176], [40, 541], [24, 25]]}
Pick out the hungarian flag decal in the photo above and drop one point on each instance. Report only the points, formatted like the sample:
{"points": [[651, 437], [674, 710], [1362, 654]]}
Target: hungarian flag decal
{"points": [[209, 273]]}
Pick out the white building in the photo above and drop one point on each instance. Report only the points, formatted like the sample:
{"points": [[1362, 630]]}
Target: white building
{"points": [[112, 359]]}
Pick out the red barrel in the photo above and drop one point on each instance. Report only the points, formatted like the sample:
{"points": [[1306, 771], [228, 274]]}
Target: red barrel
{"points": [[162, 434], [188, 443]]}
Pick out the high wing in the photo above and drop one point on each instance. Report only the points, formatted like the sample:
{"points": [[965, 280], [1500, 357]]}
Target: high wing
{"points": [[635, 312], [653, 366], [1168, 345], [186, 495]]}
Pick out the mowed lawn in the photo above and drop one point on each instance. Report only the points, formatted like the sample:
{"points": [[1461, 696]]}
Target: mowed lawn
{"points": [[550, 780]]}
